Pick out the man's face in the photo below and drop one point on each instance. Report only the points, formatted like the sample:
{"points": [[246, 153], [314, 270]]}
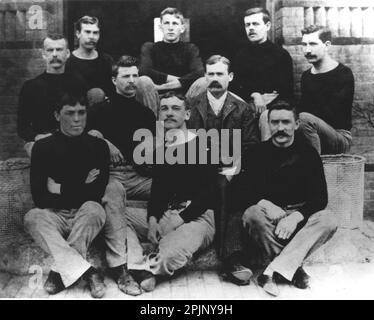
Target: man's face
{"points": [[256, 28], [88, 36], [282, 125], [218, 77], [173, 112], [126, 81], [314, 48], [172, 28], [72, 119], [55, 53]]}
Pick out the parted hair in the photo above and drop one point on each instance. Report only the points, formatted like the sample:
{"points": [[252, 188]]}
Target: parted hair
{"points": [[324, 33], [278, 104], [176, 94], [218, 58], [86, 20], [56, 36], [124, 61], [255, 10], [173, 11]]}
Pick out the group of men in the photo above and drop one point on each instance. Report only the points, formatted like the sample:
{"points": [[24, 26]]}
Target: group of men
{"points": [[80, 120]]}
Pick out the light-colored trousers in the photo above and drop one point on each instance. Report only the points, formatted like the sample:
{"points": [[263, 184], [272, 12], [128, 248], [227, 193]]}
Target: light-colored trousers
{"points": [[287, 255], [174, 249], [66, 235]]}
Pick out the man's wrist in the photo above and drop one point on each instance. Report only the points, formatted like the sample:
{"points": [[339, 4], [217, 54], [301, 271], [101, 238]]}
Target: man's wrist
{"points": [[296, 216]]}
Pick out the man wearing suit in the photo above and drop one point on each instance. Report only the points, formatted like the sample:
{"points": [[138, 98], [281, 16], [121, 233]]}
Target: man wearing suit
{"points": [[218, 109]]}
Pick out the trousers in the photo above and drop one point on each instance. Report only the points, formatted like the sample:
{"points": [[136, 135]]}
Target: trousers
{"points": [[174, 249], [286, 255], [66, 235]]}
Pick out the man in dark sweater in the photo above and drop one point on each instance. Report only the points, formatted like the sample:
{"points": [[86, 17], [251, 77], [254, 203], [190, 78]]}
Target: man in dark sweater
{"points": [[95, 67], [179, 220], [69, 173], [327, 90], [171, 63], [38, 96], [284, 192], [263, 71]]}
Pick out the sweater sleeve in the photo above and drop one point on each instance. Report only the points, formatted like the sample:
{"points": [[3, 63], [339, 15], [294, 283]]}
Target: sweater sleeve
{"points": [[285, 76], [316, 197], [39, 177], [196, 67], [146, 65], [25, 109]]}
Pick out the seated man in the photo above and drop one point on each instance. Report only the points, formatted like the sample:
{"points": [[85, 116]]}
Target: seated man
{"points": [[171, 63], [285, 193], [179, 220], [69, 173], [326, 95], [38, 96]]}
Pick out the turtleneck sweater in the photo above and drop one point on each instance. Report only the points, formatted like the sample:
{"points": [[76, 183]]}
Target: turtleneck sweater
{"points": [[118, 119], [263, 68], [68, 160], [181, 59]]}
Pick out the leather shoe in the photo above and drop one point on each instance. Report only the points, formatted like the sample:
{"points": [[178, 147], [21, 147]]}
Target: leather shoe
{"points": [[235, 271], [146, 280], [95, 282], [127, 284], [268, 284], [54, 283], [301, 279]]}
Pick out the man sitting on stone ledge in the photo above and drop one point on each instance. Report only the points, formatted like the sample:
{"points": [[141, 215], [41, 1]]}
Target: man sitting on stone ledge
{"points": [[284, 192], [326, 95], [180, 220], [69, 173]]}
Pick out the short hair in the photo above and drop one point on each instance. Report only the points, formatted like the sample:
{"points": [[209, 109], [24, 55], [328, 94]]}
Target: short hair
{"points": [[173, 11], [255, 10], [278, 104], [217, 58], [56, 36], [86, 20], [71, 97], [324, 33], [124, 61], [176, 94]]}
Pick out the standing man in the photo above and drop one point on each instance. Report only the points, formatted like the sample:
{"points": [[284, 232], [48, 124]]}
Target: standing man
{"points": [[327, 90], [38, 96], [69, 173], [180, 220], [263, 70], [284, 192], [171, 63]]}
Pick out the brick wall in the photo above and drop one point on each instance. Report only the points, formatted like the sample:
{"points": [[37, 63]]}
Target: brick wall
{"points": [[23, 25]]}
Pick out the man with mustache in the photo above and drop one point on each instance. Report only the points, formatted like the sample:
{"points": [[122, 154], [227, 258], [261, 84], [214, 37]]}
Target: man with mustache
{"points": [[263, 70], [327, 90], [116, 121], [283, 194], [38, 96], [218, 109], [180, 220], [171, 63]]}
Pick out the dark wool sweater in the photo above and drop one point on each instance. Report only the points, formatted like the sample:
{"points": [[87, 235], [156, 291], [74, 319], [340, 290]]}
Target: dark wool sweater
{"points": [[37, 101], [181, 59], [118, 119], [68, 160], [96, 72], [263, 68], [176, 183], [329, 96], [284, 176]]}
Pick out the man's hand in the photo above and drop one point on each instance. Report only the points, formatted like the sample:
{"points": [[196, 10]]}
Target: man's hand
{"points": [[273, 212], [92, 175], [53, 187], [168, 224], [116, 156], [259, 102], [154, 233], [287, 225], [42, 136], [171, 78], [96, 133]]}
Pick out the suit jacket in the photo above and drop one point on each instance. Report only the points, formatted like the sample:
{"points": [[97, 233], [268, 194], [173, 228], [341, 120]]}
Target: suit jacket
{"points": [[237, 114]]}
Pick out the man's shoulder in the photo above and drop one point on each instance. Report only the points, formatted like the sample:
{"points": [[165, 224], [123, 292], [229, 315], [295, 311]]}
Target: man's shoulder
{"points": [[231, 99], [35, 82]]}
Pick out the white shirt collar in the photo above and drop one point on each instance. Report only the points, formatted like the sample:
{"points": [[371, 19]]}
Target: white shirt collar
{"points": [[216, 104], [178, 136]]}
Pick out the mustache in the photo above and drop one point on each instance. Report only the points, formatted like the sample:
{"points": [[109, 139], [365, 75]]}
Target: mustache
{"points": [[56, 60], [280, 134], [131, 86], [215, 84], [308, 55], [170, 118]]}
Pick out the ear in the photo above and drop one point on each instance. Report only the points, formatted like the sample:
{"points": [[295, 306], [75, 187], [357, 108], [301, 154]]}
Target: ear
{"points": [[57, 116], [231, 76], [328, 43], [114, 80], [297, 124], [77, 34], [183, 28], [188, 115], [268, 25], [67, 53]]}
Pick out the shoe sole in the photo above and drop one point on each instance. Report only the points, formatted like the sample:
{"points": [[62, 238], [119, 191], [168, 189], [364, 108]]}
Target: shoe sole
{"points": [[149, 284]]}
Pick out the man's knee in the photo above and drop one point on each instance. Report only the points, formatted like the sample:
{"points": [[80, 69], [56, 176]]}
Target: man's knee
{"points": [[145, 83], [94, 213], [34, 219], [95, 95], [255, 216], [328, 221], [307, 121], [114, 191]]}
